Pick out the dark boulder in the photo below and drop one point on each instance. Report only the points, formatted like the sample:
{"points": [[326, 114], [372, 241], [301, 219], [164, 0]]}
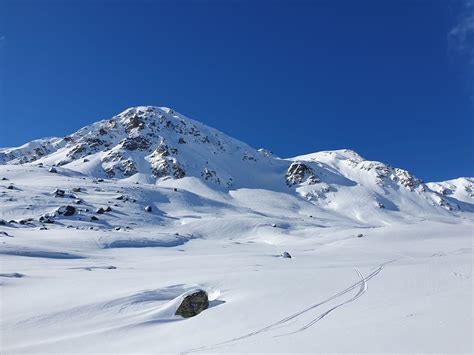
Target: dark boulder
{"points": [[148, 208], [193, 304], [52, 170], [46, 218], [26, 221], [66, 210], [59, 193], [286, 255]]}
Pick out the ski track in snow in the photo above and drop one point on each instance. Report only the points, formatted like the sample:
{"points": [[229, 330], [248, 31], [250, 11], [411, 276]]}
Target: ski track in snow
{"points": [[362, 283]]}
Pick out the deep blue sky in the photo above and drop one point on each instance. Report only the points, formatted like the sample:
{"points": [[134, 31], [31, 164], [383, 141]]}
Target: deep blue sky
{"points": [[379, 77]]}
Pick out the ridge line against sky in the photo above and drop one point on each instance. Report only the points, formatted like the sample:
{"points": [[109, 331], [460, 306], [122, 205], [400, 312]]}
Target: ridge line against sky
{"points": [[392, 81]]}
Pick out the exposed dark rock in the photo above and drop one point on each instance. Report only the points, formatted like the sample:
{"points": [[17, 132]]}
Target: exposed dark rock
{"points": [[4, 179], [247, 156], [59, 193], [53, 170], [134, 122], [406, 179], [76, 189], [26, 221], [94, 218], [181, 141], [162, 150], [360, 235], [66, 210], [46, 218], [136, 143], [193, 304], [299, 172], [10, 187], [108, 209], [12, 275], [178, 171], [148, 208], [100, 211], [286, 255], [209, 174]]}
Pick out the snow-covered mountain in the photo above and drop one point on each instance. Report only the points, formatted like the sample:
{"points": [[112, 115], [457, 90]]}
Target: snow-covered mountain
{"points": [[154, 144], [105, 231]]}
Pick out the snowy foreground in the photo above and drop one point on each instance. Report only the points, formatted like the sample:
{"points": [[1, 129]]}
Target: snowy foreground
{"points": [[362, 278]]}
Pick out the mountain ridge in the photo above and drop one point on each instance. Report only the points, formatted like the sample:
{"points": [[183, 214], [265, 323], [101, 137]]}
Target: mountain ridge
{"points": [[151, 144]]}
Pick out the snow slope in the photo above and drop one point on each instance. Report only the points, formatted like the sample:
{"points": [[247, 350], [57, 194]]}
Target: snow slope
{"points": [[381, 260]]}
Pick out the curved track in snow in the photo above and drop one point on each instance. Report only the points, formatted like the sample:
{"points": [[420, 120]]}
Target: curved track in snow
{"points": [[362, 283]]}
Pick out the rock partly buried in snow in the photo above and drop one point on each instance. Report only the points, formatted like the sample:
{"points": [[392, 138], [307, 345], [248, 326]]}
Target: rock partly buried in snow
{"points": [[59, 193], [47, 218], [193, 304], [286, 255], [148, 208], [66, 210]]}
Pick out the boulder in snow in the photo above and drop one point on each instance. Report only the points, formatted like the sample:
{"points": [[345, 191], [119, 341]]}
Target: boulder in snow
{"points": [[193, 304]]}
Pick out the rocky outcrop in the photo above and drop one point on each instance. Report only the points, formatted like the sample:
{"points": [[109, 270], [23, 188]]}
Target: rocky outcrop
{"points": [[406, 179], [298, 173], [193, 304], [162, 167], [136, 143]]}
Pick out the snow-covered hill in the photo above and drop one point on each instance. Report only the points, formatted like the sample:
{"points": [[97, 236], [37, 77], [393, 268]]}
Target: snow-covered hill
{"points": [[103, 232]]}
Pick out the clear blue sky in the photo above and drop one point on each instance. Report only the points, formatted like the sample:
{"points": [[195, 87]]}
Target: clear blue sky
{"points": [[381, 77]]}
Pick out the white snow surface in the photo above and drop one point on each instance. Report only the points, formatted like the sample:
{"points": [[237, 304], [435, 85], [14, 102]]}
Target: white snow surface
{"points": [[381, 262]]}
